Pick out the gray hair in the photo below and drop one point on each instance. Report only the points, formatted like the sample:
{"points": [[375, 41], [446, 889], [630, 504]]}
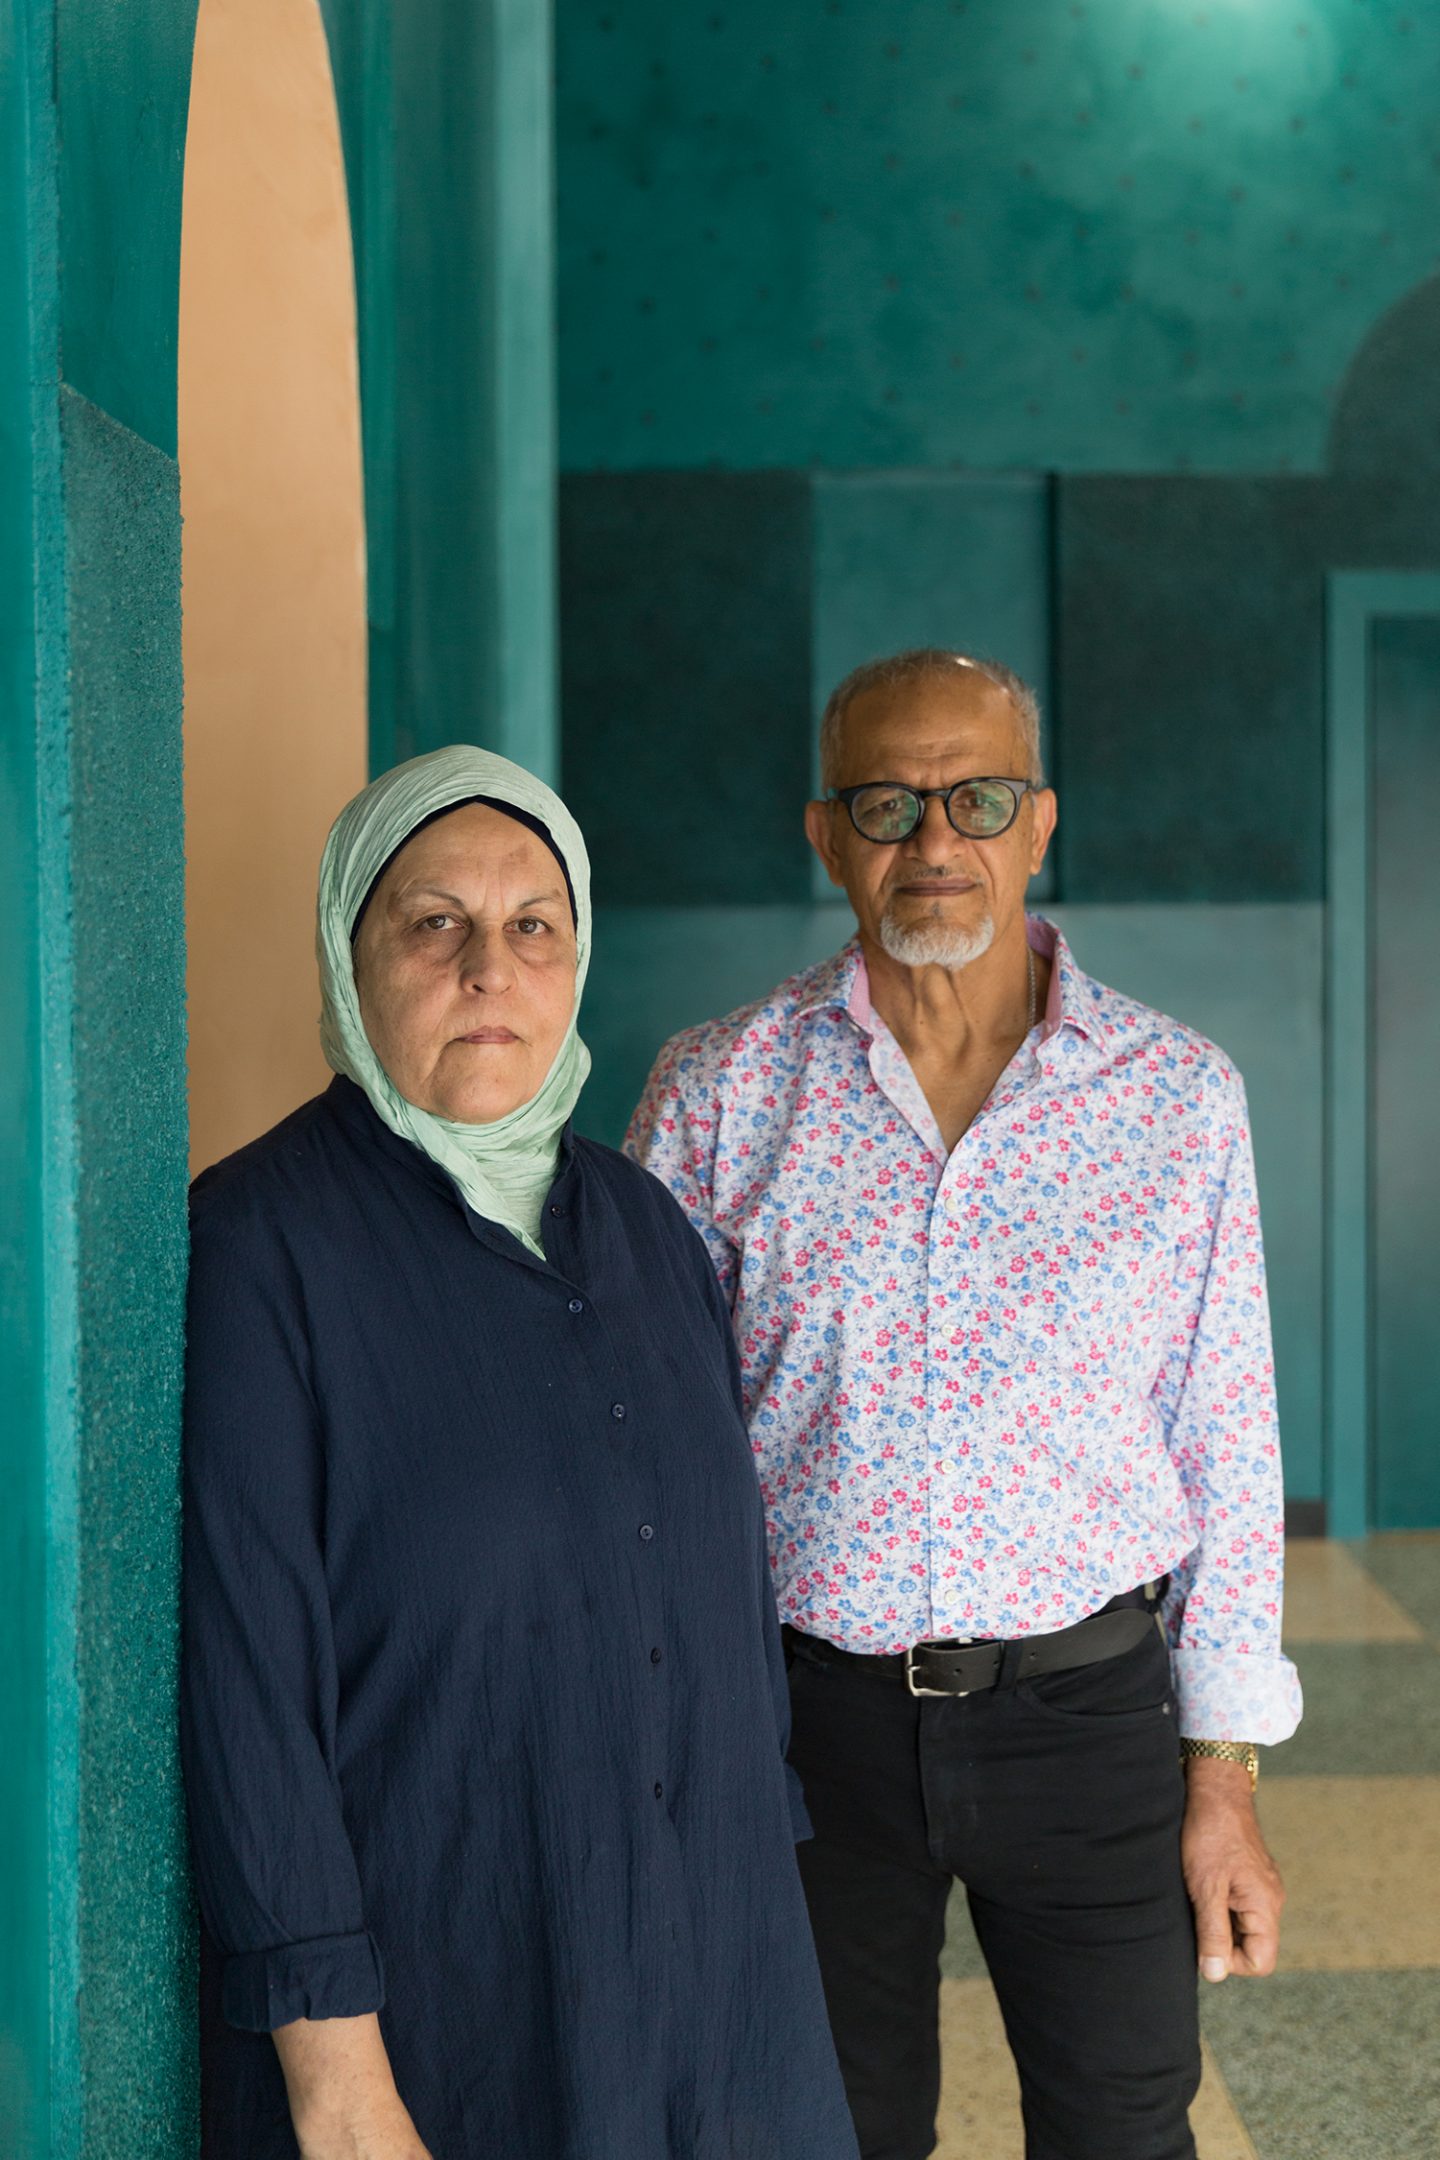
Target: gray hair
{"points": [[920, 663]]}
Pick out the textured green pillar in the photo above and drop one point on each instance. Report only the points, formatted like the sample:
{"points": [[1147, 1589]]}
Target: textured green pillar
{"points": [[29, 526], [96, 1968], [445, 111]]}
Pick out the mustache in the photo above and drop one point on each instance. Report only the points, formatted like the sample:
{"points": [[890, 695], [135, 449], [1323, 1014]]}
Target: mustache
{"points": [[925, 873]]}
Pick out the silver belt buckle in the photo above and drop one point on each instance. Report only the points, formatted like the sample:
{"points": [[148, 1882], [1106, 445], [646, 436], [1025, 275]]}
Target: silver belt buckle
{"points": [[952, 1642]]}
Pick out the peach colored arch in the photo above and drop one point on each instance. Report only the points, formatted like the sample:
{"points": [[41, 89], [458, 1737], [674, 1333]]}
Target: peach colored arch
{"points": [[273, 552]]}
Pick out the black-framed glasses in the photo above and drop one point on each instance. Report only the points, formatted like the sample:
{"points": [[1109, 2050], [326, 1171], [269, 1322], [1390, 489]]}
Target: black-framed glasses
{"points": [[886, 811]]}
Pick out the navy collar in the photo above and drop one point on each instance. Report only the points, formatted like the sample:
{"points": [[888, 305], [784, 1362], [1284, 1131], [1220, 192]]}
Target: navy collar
{"points": [[353, 1109]]}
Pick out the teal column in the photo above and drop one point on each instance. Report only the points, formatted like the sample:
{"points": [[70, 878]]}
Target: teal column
{"points": [[97, 1965], [36, 1329], [525, 425], [445, 112]]}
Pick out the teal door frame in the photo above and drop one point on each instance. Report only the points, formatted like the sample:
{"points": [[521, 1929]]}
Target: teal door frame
{"points": [[1355, 600]]}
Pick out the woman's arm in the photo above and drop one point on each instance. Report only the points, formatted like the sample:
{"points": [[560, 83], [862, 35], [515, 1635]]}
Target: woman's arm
{"points": [[342, 2095], [274, 1867]]}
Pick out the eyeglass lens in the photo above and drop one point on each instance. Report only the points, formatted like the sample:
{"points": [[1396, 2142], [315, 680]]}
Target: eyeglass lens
{"points": [[978, 808]]}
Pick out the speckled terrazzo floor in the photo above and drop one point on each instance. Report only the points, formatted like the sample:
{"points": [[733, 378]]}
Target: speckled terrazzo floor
{"points": [[1338, 2056]]}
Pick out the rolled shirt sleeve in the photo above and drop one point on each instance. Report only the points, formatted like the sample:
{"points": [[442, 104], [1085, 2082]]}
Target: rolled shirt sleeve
{"points": [[1216, 1395], [277, 1880]]}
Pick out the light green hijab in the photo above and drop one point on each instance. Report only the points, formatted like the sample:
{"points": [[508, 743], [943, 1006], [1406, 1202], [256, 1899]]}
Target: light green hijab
{"points": [[505, 1169]]}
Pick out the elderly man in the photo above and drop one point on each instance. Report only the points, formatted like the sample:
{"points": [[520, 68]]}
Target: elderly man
{"points": [[990, 1238]]}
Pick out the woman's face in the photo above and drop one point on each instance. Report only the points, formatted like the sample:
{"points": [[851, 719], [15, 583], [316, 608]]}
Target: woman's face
{"points": [[465, 966]]}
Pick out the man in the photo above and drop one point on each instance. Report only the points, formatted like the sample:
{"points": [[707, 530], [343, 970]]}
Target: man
{"points": [[990, 1238]]}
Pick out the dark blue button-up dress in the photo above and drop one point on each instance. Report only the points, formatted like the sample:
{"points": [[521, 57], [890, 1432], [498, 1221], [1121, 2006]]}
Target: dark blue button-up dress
{"points": [[483, 1708]]}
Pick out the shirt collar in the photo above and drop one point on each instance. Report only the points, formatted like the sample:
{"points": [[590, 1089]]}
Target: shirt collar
{"points": [[840, 983], [832, 982], [1072, 1002]]}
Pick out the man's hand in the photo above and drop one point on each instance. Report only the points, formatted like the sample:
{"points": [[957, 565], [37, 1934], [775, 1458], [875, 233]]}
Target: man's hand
{"points": [[343, 2100], [1234, 1884]]}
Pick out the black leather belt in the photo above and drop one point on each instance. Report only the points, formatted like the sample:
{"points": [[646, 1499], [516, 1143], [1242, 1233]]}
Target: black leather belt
{"points": [[964, 1666]]}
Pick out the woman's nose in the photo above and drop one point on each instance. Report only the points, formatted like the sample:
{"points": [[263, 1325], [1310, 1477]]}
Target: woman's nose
{"points": [[486, 963]]}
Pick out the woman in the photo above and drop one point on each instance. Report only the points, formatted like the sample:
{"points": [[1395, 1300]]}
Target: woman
{"points": [[483, 1700]]}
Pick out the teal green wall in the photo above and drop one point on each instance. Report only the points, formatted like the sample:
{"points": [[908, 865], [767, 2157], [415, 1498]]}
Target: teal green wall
{"points": [[445, 117], [1096, 337], [123, 93], [96, 1979], [1121, 237]]}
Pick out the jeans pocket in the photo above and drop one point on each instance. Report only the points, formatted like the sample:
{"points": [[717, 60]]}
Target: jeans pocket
{"points": [[1134, 1688]]}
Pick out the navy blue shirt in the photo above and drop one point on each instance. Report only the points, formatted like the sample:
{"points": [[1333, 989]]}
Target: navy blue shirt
{"points": [[484, 1706]]}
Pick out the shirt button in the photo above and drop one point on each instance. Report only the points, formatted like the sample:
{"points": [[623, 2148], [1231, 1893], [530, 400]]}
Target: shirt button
{"points": [[577, 1304], [659, 1790], [557, 1210], [656, 1656], [617, 1409], [942, 1466], [647, 1531]]}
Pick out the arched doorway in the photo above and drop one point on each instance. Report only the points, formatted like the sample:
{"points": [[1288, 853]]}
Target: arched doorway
{"points": [[273, 552]]}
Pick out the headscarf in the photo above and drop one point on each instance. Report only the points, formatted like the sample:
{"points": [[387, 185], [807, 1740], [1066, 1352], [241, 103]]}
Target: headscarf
{"points": [[504, 1169]]}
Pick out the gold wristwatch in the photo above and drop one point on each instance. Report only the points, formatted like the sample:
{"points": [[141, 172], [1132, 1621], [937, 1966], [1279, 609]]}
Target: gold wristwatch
{"points": [[1241, 1751]]}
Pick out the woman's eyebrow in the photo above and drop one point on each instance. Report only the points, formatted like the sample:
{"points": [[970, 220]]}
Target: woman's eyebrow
{"points": [[407, 895]]}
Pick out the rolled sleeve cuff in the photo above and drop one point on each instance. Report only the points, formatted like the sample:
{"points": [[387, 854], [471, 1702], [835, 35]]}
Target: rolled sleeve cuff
{"points": [[330, 1976], [1235, 1695]]}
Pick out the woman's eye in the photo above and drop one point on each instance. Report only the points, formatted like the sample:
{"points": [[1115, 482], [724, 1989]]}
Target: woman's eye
{"points": [[436, 922]]}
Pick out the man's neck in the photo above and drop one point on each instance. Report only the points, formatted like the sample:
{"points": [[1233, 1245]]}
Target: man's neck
{"points": [[955, 1013], [960, 1027]]}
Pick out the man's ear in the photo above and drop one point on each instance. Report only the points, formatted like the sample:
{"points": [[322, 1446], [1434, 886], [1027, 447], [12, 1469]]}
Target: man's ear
{"points": [[1042, 826], [820, 832]]}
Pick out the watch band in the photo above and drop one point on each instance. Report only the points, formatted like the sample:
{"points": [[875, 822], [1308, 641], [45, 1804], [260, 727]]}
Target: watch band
{"points": [[1237, 1751]]}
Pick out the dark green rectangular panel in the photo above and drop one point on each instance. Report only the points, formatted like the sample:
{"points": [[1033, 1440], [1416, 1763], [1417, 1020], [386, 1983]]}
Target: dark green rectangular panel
{"points": [[685, 682], [1405, 932], [1191, 681]]}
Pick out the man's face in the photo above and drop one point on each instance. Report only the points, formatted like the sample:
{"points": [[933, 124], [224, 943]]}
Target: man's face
{"points": [[936, 898]]}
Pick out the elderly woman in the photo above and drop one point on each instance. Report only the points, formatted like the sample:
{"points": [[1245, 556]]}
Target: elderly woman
{"points": [[484, 1704]]}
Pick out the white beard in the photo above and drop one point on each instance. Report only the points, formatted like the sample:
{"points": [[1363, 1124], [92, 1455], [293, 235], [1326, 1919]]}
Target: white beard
{"points": [[935, 944]]}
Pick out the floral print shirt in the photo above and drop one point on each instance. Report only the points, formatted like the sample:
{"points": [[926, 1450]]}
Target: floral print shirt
{"points": [[990, 1389]]}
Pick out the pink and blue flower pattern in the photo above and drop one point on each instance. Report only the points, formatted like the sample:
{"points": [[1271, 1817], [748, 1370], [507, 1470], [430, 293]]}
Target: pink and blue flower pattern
{"points": [[987, 1391]]}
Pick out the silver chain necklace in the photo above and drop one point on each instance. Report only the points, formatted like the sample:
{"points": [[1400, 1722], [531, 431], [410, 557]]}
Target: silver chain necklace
{"points": [[1034, 996]]}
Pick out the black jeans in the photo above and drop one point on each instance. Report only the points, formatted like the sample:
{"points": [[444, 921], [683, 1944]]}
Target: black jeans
{"points": [[1057, 1803]]}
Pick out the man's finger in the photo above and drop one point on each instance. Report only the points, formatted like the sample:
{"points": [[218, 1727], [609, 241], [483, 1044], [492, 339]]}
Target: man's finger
{"points": [[1257, 1942], [1214, 1938]]}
